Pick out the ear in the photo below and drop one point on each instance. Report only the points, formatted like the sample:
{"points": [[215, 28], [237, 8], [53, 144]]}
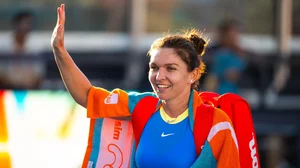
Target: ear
{"points": [[194, 75]]}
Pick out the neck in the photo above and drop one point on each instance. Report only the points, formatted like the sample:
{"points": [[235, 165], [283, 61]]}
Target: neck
{"points": [[19, 42], [176, 106], [20, 37]]}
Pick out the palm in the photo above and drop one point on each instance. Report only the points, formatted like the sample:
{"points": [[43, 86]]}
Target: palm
{"points": [[57, 39]]}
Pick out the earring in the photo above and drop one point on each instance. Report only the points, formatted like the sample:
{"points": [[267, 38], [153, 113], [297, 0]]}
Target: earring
{"points": [[191, 81]]}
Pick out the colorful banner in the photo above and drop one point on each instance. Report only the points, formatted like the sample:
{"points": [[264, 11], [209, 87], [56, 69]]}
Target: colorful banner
{"points": [[41, 129]]}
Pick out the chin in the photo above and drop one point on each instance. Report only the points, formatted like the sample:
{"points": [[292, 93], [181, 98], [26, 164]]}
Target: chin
{"points": [[162, 96]]}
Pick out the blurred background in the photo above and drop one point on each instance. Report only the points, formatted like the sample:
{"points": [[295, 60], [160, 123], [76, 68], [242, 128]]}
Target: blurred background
{"points": [[254, 51]]}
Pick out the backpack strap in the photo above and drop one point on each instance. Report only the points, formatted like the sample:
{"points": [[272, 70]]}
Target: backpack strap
{"points": [[203, 124], [141, 114]]}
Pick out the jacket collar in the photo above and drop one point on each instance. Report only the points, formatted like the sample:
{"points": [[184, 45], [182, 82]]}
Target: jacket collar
{"points": [[194, 102]]}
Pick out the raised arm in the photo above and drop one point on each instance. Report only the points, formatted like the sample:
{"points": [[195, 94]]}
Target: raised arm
{"points": [[75, 81]]}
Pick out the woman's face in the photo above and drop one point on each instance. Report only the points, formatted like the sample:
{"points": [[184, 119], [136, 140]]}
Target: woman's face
{"points": [[168, 74]]}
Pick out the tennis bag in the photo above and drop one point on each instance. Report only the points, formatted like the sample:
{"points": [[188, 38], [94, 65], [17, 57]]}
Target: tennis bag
{"points": [[239, 112]]}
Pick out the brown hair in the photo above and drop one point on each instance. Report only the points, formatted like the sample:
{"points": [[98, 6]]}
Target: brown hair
{"points": [[190, 47]]}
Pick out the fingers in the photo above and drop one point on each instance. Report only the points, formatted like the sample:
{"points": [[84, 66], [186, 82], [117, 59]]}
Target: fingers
{"points": [[61, 15], [63, 6], [57, 21]]}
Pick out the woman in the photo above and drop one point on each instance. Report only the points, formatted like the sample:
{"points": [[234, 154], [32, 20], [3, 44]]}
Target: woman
{"points": [[167, 139]]}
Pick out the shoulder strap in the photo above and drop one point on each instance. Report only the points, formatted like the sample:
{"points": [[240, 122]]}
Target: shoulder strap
{"points": [[141, 114], [203, 124]]}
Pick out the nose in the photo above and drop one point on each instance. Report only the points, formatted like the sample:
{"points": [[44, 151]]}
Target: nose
{"points": [[160, 75]]}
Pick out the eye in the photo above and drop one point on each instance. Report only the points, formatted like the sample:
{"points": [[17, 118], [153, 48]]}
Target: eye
{"points": [[171, 68], [153, 67]]}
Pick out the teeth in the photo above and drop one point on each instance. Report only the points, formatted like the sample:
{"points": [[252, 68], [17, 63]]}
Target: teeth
{"points": [[162, 86]]}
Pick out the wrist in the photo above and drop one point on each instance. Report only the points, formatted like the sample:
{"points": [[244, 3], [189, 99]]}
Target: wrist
{"points": [[60, 49]]}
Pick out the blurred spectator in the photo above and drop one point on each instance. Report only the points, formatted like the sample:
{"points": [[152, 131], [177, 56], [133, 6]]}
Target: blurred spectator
{"points": [[228, 60], [21, 24], [19, 68]]}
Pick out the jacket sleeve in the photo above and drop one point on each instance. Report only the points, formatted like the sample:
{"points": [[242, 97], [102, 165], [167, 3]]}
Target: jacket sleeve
{"points": [[102, 103], [223, 141]]}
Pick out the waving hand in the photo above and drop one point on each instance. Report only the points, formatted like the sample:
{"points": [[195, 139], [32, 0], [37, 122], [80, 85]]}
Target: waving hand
{"points": [[75, 81], [57, 39]]}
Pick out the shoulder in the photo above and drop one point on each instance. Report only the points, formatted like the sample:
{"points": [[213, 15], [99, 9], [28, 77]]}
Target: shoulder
{"points": [[225, 53], [222, 126], [135, 98], [221, 116], [140, 94]]}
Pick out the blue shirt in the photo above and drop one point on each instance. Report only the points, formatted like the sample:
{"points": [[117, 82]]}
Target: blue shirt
{"points": [[166, 145], [225, 60]]}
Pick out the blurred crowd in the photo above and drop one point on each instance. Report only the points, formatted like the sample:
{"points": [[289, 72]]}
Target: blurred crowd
{"points": [[19, 68]]}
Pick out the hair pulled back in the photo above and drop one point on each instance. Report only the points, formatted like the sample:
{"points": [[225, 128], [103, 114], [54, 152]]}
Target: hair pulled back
{"points": [[190, 47]]}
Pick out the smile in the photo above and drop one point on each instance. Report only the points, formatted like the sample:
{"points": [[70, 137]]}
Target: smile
{"points": [[163, 86]]}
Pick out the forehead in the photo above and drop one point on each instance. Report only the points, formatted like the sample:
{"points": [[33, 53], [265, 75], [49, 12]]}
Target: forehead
{"points": [[164, 56]]}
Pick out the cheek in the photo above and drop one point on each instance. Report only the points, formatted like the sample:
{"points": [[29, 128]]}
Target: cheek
{"points": [[151, 76], [180, 80]]}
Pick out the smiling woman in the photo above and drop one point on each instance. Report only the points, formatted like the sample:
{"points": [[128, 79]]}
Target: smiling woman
{"points": [[175, 68], [163, 122]]}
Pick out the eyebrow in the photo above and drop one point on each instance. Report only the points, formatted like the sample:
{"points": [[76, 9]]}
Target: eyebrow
{"points": [[171, 64], [165, 64]]}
